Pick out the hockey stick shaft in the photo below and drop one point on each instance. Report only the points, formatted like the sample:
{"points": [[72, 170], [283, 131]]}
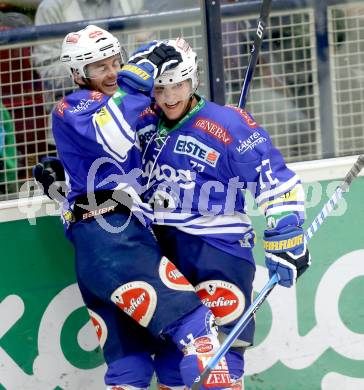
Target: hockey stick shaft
{"points": [[336, 196], [253, 59], [267, 289]]}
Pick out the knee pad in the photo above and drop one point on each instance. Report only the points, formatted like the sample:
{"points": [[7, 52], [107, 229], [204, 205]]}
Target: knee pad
{"points": [[130, 372], [196, 336]]}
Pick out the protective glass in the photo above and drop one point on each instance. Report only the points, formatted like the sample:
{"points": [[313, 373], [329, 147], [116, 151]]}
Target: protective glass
{"points": [[103, 67], [173, 93]]}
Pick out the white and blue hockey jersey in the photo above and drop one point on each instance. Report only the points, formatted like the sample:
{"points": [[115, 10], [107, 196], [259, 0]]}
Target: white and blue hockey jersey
{"points": [[197, 172], [97, 144]]}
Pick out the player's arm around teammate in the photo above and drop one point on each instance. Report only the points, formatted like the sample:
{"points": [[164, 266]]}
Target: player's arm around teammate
{"points": [[124, 280]]}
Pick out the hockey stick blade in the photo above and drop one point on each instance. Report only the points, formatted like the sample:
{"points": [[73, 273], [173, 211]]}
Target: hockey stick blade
{"points": [[253, 59], [267, 289]]}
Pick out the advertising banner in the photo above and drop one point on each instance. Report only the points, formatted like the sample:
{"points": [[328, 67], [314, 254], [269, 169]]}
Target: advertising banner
{"points": [[308, 337]]}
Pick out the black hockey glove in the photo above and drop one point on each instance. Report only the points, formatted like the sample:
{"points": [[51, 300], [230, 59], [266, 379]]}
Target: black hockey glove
{"points": [[157, 57], [48, 172], [147, 63]]}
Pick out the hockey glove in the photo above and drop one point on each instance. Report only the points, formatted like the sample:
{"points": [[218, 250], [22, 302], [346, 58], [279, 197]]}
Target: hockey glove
{"points": [[156, 57], [147, 64], [47, 172], [285, 250]]}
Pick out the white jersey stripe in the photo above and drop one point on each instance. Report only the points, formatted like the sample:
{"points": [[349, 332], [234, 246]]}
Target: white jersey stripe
{"points": [[282, 209], [205, 221], [105, 146], [112, 136], [217, 230], [124, 124], [280, 190]]}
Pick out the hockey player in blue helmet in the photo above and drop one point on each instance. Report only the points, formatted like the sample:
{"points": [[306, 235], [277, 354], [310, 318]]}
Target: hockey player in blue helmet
{"points": [[124, 280], [197, 158]]}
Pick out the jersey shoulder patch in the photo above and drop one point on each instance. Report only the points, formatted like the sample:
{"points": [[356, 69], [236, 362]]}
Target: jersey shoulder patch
{"points": [[247, 117], [79, 102]]}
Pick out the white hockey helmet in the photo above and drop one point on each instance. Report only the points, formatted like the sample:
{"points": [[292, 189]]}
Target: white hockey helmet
{"points": [[87, 46], [185, 70]]}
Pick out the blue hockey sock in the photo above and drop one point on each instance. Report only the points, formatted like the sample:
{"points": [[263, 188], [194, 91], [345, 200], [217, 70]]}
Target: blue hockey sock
{"points": [[196, 336]]}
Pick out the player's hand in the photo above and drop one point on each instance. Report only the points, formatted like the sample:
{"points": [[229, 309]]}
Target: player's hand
{"points": [[48, 172], [156, 57], [286, 252], [146, 64]]}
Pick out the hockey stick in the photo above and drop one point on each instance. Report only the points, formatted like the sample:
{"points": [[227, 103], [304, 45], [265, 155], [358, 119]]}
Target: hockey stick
{"points": [[253, 59], [248, 315]]}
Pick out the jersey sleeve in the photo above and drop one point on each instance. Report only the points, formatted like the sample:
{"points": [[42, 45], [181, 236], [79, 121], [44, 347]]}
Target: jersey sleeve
{"points": [[99, 120], [255, 161]]}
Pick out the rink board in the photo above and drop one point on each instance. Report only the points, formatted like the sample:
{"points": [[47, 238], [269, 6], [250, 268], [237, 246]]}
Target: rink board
{"points": [[308, 337]]}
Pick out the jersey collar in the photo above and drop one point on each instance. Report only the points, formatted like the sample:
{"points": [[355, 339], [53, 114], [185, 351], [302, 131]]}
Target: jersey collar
{"points": [[163, 130]]}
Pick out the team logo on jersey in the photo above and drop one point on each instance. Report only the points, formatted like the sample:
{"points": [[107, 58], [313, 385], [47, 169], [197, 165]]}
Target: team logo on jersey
{"points": [[250, 143], [172, 277], [214, 129], [146, 133], [100, 326], [137, 299], [61, 106], [224, 299], [247, 118], [81, 106], [219, 376], [166, 173], [190, 146], [248, 241]]}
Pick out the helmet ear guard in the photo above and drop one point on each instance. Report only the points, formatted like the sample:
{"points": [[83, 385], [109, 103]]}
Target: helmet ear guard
{"points": [[87, 46]]}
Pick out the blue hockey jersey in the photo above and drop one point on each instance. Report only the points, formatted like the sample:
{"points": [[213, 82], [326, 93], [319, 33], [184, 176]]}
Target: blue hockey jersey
{"points": [[97, 144], [197, 173]]}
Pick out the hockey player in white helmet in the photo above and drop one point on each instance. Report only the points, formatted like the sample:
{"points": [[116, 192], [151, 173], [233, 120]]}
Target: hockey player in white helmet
{"points": [[125, 282], [187, 142], [202, 225], [90, 55]]}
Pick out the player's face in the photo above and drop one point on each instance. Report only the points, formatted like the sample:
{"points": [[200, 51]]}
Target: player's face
{"points": [[102, 75], [173, 98]]}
